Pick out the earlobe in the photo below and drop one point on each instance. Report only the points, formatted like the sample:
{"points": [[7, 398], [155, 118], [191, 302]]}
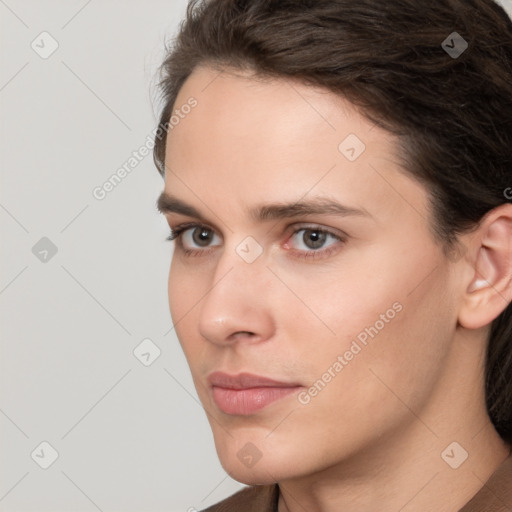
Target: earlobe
{"points": [[490, 290]]}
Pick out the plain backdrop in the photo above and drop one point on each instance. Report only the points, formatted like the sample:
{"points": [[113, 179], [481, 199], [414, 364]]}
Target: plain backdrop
{"points": [[97, 407]]}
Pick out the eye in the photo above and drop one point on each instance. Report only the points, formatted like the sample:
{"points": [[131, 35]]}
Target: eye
{"points": [[313, 238], [194, 237], [198, 237], [313, 242], [305, 242]]}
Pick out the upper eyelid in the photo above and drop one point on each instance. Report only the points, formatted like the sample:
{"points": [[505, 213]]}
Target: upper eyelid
{"points": [[178, 230], [191, 225]]}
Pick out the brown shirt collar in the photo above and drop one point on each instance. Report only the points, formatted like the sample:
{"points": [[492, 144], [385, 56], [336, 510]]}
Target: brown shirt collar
{"points": [[496, 493], [494, 496]]}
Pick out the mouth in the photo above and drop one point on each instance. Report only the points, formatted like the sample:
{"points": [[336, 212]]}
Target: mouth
{"points": [[245, 393]]}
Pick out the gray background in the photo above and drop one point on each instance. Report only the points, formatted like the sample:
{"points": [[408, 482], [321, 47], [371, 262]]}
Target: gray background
{"points": [[129, 432]]}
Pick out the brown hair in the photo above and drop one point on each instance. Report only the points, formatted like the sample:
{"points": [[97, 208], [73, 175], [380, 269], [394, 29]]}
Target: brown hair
{"points": [[452, 113]]}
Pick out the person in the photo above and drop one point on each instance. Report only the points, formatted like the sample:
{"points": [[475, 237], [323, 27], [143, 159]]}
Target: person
{"points": [[337, 183]]}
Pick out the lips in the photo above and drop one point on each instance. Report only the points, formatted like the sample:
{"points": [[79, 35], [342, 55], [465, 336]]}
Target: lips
{"points": [[245, 381], [245, 393]]}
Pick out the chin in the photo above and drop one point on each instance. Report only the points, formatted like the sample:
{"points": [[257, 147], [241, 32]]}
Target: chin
{"points": [[251, 476], [266, 471]]}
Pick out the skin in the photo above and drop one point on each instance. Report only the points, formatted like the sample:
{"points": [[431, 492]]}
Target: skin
{"points": [[373, 437]]}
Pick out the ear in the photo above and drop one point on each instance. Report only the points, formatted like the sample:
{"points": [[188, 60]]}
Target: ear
{"points": [[489, 289]]}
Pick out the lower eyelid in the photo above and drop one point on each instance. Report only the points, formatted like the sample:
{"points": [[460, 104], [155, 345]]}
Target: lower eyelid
{"points": [[316, 255]]}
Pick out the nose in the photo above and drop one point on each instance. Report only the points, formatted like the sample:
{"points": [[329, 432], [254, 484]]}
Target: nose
{"points": [[237, 306]]}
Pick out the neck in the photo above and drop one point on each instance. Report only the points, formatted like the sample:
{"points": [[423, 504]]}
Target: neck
{"points": [[410, 469]]}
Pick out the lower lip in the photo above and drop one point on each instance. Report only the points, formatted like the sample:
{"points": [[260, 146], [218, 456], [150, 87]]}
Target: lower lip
{"points": [[248, 401]]}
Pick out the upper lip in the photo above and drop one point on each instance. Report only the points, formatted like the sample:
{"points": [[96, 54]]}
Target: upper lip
{"points": [[246, 381]]}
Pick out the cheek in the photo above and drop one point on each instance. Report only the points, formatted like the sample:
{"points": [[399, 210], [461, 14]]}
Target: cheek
{"points": [[184, 288], [395, 320], [184, 293], [175, 291], [188, 287]]}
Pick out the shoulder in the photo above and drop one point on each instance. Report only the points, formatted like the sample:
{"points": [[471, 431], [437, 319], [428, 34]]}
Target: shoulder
{"points": [[258, 498], [496, 493]]}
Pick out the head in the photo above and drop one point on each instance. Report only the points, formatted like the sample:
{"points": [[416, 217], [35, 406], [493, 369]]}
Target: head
{"points": [[405, 291]]}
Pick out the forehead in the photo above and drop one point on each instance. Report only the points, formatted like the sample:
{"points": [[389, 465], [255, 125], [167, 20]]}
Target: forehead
{"points": [[256, 110], [278, 140]]}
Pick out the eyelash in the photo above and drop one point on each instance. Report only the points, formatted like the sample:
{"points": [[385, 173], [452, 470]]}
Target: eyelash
{"points": [[321, 253]]}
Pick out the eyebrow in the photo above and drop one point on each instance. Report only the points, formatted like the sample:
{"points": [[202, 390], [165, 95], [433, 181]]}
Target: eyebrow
{"points": [[319, 206]]}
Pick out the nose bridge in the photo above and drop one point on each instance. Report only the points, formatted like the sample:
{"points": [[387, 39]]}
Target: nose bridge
{"points": [[236, 300]]}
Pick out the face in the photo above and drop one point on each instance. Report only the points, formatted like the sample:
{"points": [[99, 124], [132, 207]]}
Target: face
{"points": [[303, 257]]}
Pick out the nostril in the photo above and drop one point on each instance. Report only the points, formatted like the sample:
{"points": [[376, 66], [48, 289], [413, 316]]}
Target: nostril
{"points": [[243, 334]]}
